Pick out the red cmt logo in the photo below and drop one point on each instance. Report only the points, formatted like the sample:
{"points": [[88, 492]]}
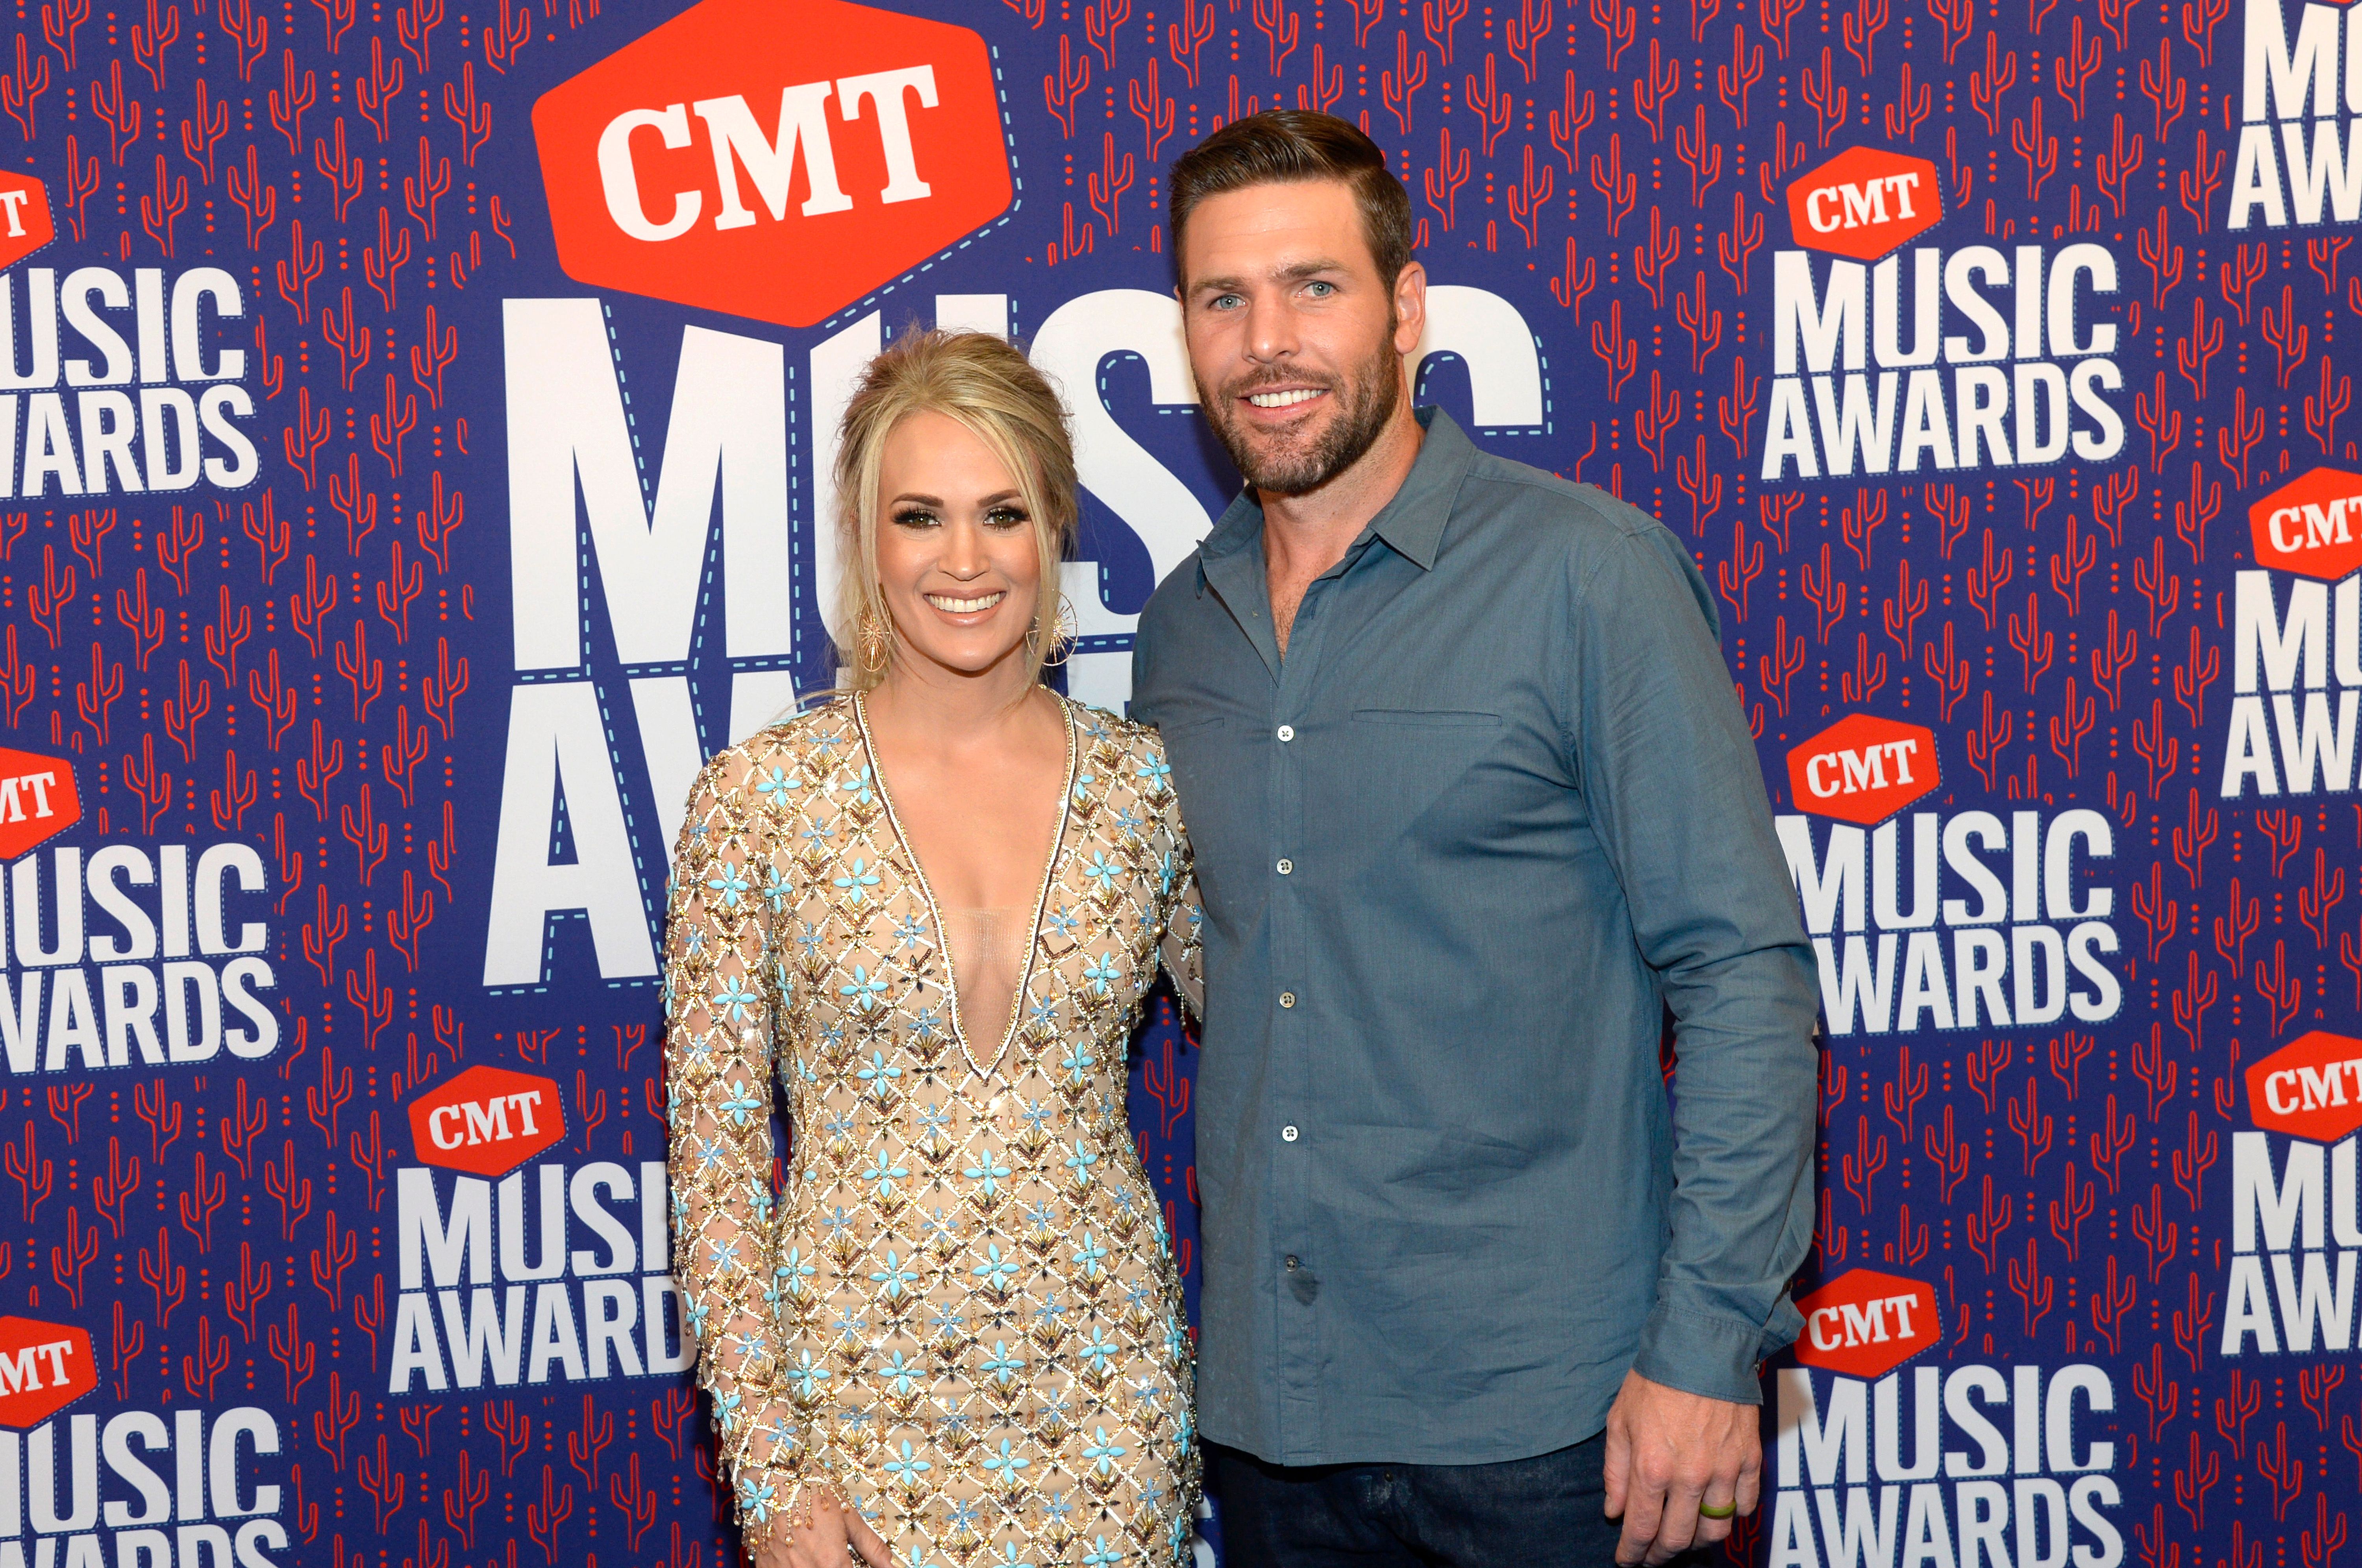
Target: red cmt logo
{"points": [[25, 222], [774, 161], [1866, 1325], [44, 1367], [486, 1121], [38, 800], [2312, 524], [1863, 769], [2310, 1087], [1864, 203]]}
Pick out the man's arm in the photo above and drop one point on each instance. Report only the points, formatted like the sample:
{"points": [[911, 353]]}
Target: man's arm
{"points": [[1672, 776]]}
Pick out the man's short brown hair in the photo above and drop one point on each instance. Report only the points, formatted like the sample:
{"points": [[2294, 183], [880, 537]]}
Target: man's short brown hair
{"points": [[1287, 145]]}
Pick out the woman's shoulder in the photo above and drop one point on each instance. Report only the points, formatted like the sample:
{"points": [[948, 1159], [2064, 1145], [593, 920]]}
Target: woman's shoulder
{"points": [[1104, 726], [819, 737]]}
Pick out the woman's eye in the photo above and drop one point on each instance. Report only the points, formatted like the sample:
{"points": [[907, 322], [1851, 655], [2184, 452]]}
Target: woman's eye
{"points": [[1005, 517], [912, 517]]}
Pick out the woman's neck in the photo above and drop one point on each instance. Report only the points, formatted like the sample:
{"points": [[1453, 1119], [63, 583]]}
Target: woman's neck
{"points": [[952, 709]]}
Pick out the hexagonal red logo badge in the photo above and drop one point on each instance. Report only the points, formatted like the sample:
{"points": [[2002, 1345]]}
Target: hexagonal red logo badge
{"points": [[37, 800], [1866, 1324], [774, 161], [44, 1367], [25, 222], [1865, 202], [486, 1121], [2312, 524], [1863, 769], [2310, 1087]]}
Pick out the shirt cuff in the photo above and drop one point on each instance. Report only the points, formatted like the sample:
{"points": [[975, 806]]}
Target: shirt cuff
{"points": [[1711, 1355]]}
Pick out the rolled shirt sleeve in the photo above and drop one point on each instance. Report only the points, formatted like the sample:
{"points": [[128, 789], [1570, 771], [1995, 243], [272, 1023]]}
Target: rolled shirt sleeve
{"points": [[1663, 755]]}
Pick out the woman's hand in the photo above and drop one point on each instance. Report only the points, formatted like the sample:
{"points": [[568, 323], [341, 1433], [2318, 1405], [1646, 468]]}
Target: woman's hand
{"points": [[824, 1533]]}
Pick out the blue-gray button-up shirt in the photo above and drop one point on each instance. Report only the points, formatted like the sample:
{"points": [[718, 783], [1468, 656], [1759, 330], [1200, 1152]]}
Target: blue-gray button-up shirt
{"points": [[1493, 816]]}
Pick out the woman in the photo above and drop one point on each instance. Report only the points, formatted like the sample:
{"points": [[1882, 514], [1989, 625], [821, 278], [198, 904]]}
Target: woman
{"points": [[932, 906]]}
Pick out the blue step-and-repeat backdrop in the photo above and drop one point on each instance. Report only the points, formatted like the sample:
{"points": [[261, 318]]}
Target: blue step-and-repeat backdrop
{"points": [[412, 418]]}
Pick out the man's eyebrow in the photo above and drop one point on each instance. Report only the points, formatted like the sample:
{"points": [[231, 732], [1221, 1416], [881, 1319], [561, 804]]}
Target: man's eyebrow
{"points": [[1294, 272]]}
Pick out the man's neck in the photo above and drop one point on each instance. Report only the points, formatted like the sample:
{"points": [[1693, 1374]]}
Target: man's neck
{"points": [[1303, 535]]}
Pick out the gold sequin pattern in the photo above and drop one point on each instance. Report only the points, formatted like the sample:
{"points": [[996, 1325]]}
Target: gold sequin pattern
{"points": [[962, 1311]]}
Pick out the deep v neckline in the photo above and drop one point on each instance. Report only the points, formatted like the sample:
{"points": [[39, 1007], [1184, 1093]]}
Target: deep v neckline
{"points": [[934, 912]]}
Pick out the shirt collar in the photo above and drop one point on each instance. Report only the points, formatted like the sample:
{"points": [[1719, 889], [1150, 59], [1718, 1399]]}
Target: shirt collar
{"points": [[1411, 523]]}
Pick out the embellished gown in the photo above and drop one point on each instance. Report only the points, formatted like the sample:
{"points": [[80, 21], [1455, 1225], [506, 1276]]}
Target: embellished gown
{"points": [[962, 1311]]}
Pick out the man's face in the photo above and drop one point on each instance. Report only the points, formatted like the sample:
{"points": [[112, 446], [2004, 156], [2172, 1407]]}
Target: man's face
{"points": [[1295, 341]]}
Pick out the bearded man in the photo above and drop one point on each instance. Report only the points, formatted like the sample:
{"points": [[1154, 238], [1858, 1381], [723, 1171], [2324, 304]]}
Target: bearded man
{"points": [[1474, 808]]}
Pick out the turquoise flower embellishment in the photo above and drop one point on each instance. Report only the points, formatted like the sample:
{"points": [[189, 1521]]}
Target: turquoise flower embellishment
{"points": [[1102, 973], [860, 786], [1100, 1350], [996, 1271], [1083, 782], [898, 1281], [989, 1172], [729, 885], [1102, 1555], [900, 1371], [697, 1313], [1081, 1161], [1103, 871], [857, 880], [879, 1075], [776, 786], [1155, 773], [725, 1256], [807, 1375], [1167, 869], [742, 1103], [1004, 1464], [1089, 1256], [792, 1271], [1079, 1062], [865, 988], [753, 1499], [725, 1411], [1004, 1364], [1105, 1451], [775, 891], [735, 1000], [885, 1175], [1006, 1556], [909, 1467]]}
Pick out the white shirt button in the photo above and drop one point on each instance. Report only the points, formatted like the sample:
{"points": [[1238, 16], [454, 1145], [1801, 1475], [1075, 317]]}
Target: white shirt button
{"points": [[1286, 867], [1287, 1134], [1287, 998], [1287, 732]]}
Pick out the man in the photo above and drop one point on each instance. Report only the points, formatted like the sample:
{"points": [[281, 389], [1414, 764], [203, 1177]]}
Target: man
{"points": [[1473, 806]]}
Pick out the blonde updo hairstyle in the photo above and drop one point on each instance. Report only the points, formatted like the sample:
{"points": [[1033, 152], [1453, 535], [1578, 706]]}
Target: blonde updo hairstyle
{"points": [[996, 393]]}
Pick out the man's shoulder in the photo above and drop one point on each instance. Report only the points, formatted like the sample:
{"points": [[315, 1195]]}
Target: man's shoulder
{"points": [[1522, 493]]}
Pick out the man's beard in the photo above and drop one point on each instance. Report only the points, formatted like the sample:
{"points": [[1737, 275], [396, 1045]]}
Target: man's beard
{"points": [[1299, 469]]}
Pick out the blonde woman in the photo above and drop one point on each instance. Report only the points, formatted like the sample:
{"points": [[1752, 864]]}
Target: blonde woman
{"points": [[930, 907]]}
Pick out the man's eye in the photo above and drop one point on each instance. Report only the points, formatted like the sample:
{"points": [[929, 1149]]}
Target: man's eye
{"points": [[1320, 291], [1223, 302]]}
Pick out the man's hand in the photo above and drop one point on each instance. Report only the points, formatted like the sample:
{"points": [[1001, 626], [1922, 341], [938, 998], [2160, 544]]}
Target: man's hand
{"points": [[1668, 1452]]}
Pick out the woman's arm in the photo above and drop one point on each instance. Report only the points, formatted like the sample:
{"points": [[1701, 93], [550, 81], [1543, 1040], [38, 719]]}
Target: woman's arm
{"points": [[1181, 949], [718, 1057]]}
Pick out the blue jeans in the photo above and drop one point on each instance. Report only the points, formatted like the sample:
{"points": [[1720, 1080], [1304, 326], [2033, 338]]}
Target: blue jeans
{"points": [[1543, 1512]]}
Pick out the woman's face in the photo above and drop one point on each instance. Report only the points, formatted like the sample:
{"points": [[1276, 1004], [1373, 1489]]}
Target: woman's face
{"points": [[955, 547]]}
